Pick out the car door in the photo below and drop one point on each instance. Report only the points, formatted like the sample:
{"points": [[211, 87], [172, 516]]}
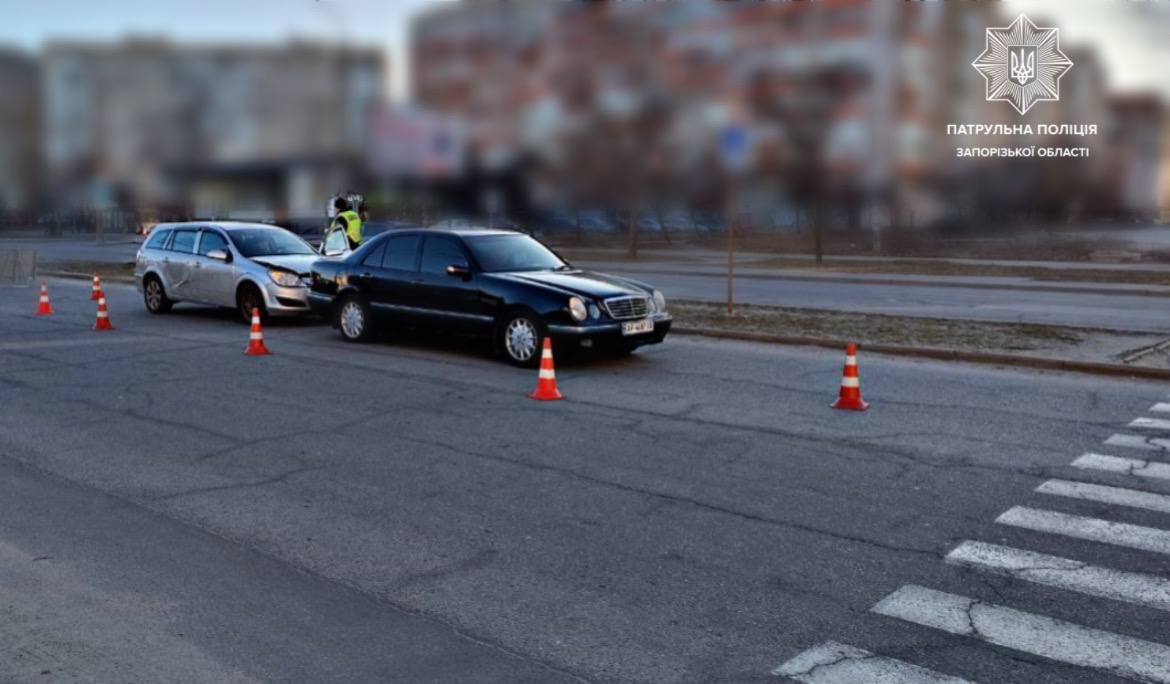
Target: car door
{"points": [[392, 279], [179, 261], [335, 243], [213, 281], [445, 298]]}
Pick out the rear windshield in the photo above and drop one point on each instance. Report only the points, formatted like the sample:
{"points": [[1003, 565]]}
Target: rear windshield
{"points": [[254, 242]]}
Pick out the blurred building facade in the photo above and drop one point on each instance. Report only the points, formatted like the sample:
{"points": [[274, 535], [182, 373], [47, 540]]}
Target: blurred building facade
{"points": [[854, 93], [20, 121], [266, 130]]}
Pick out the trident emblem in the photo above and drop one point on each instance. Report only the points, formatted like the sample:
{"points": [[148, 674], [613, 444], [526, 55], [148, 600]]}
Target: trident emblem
{"points": [[1023, 64]]}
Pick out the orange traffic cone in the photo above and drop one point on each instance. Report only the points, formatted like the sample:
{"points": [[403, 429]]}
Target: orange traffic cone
{"points": [[850, 396], [546, 385], [256, 339], [96, 293], [103, 316], [44, 308]]}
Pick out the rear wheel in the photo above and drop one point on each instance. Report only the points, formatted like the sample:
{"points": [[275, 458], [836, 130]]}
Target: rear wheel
{"points": [[520, 338], [155, 297], [353, 319], [247, 298]]}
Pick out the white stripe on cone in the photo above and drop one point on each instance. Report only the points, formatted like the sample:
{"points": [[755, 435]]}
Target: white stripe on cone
{"points": [[850, 382]]}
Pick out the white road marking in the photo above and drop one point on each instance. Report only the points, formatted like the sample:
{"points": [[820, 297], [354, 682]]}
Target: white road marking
{"points": [[1109, 495], [1129, 466], [1161, 407], [1064, 573], [1092, 529], [1150, 423], [837, 663], [1139, 442], [1035, 634]]}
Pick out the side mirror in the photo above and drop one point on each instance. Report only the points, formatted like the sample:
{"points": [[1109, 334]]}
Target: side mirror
{"points": [[459, 271], [219, 255]]}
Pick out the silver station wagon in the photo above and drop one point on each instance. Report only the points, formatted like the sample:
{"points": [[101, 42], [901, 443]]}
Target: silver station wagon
{"points": [[228, 264]]}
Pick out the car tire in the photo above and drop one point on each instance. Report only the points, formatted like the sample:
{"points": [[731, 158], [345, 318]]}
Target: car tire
{"points": [[519, 338], [249, 297], [353, 319], [154, 295]]}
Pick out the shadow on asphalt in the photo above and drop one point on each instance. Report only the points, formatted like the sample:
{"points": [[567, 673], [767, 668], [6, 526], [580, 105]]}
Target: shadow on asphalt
{"points": [[418, 340]]}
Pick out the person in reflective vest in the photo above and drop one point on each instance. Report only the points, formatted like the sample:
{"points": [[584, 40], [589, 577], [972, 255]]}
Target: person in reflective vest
{"points": [[349, 221]]}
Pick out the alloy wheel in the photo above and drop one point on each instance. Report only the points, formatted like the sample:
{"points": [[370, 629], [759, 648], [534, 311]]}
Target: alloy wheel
{"points": [[520, 339]]}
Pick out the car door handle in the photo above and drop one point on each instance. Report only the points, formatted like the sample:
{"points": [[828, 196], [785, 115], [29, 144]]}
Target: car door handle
{"points": [[366, 275]]}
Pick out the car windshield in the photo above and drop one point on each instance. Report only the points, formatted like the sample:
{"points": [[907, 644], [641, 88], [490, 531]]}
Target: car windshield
{"points": [[254, 242], [502, 253]]}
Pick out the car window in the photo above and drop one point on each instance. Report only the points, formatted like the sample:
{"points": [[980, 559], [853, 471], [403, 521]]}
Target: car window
{"points": [[335, 243], [439, 252], [401, 252], [374, 258], [184, 241], [157, 239], [211, 240]]}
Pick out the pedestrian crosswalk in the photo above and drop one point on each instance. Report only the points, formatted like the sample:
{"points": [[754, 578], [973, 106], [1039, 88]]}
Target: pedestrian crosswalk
{"points": [[1066, 643]]}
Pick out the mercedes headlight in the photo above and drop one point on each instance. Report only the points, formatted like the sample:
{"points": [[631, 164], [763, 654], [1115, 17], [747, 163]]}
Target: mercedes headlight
{"points": [[577, 309], [659, 302], [284, 278]]}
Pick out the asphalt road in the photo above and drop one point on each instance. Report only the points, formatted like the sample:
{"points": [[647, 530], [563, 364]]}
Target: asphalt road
{"points": [[1016, 305], [1022, 304], [401, 511]]}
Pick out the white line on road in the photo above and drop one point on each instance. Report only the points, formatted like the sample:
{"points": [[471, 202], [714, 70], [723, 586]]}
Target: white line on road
{"points": [[1109, 495], [1036, 634], [1150, 423], [1129, 466], [1064, 573], [1161, 407], [1139, 442], [837, 663], [1092, 529]]}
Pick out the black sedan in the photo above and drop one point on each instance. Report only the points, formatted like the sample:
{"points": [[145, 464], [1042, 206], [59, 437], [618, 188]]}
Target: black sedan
{"points": [[495, 283]]}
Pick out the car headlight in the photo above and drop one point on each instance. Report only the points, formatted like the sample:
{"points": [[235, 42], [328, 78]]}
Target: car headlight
{"points": [[659, 302], [594, 312], [284, 278], [577, 309]]}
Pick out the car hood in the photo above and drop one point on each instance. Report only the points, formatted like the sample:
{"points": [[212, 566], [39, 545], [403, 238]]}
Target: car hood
{"points": [[297, 263], [587, 283]]}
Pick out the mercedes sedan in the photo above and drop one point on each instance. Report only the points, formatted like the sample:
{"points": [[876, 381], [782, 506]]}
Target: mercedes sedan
{"points": [[499, 284]]}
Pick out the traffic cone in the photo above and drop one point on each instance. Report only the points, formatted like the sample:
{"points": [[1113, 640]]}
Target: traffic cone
{"points": [[96, 293], [546, 384], [103, 316], [44, 308], [256, 339], [850, 396]]}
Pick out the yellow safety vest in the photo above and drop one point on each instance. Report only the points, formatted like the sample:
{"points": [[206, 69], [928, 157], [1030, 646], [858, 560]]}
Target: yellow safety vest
{"points": [[353, 225]]}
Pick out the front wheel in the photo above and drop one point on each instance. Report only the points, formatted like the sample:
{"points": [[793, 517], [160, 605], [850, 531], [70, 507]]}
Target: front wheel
{"points": [[353, 319], [249, 298], [520, 339]]}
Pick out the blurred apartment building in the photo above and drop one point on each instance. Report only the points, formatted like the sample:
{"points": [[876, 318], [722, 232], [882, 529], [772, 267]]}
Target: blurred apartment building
{"points": [[19, 126], [533, 78], [258, 132]]}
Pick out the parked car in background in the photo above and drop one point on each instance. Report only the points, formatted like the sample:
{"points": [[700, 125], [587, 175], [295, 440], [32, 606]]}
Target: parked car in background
{"points": [[237, 265], [498, 284]]}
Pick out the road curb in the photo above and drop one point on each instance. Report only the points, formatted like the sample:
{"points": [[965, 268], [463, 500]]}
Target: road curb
{"points": [[1072, 289], [1040, 363], [85, 276]]}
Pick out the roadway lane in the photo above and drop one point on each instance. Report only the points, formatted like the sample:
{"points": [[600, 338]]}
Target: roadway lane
{"points": [[1113, 311], [693, 513]]}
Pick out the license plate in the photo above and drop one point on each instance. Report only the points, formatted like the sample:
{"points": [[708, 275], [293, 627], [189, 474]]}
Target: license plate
{"points": [[638, 327]]}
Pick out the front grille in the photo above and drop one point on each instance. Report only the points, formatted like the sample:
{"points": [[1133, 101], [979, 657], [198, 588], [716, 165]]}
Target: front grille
{"points": [[621, 308]]}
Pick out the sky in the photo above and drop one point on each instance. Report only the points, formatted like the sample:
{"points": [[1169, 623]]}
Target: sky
{"points": [[374, 23], [1133, 37]]}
